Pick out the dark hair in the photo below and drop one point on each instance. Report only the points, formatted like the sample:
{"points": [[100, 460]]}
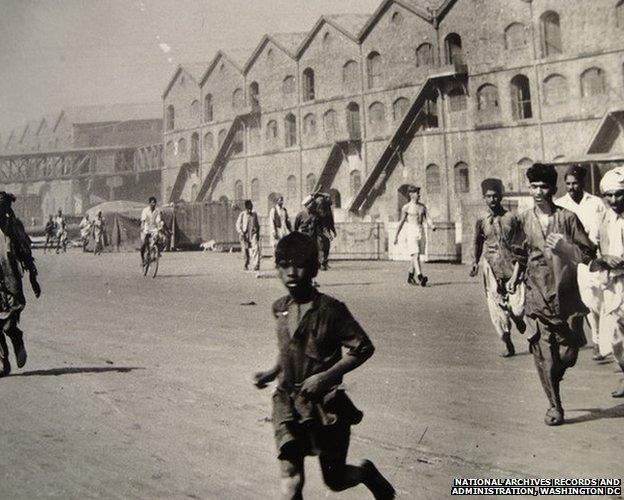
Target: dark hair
{"points": [[577, 172], [542, 172], [298, 248], [492, 184], [151, 198], [248, 204], [413, 189]]}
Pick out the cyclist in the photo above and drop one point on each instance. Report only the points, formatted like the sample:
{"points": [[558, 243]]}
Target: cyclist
{"points": [[151, 225]]}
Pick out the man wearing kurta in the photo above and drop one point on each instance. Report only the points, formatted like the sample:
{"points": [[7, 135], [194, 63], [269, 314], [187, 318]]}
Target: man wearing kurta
{"points": [[550, 245], [248, 229], [493, 237], [279, 221], [610, 265]]}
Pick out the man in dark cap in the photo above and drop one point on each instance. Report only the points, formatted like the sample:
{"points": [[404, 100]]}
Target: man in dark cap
{"points": [[15, 256], [590, 210], [493, 237], [550, 245]]}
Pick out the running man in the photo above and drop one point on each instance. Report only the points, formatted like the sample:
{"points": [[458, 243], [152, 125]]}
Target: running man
{"points": [[413, 216], [151, 225]]}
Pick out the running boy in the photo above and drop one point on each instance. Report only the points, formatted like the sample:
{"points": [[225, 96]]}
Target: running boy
{"points": [[493, 237], [311, 415], [550, 245], [413, 216]]}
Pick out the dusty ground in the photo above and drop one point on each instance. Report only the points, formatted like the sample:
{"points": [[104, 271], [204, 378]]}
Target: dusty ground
{"points": [[140, 388]]}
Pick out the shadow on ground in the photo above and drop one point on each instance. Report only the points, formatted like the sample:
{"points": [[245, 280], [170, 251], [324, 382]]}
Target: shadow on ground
{"points": [[597, 414], [77, 369]]}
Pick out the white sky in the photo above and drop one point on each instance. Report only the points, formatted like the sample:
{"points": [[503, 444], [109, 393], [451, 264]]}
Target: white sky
{"points": [[57, 53]]}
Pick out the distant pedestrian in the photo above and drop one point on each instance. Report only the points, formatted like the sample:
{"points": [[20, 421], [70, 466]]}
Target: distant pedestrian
{"points": [[248, 229], [99, 233], [86, 230], [413, 217], [327, 227], [61, 232], [312, 415], [279, 222], [50, 234], [15, 255]]}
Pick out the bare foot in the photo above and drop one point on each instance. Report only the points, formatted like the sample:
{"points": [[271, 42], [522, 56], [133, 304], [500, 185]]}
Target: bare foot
{"points": [[554, 416]]}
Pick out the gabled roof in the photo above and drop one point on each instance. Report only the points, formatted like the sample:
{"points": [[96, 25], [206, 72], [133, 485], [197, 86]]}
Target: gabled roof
{"points": [[27, 129], [352, 22], [286, 42], [221, 54], [195, 70], [415, 6], [238, 57]]}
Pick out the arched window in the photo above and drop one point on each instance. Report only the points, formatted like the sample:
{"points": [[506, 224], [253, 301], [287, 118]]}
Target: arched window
{"points": [[355, 182], [291, 187], [182, 146], [373, 63], [457, 99], [290, 130], [271, 130], [487, 97], [515, 36], [208, 144], [195, 147], [397, 18], [270, 58], [309, 124], [432, 179], [399, 108], [593, 82], [195, 108], [336, 199], [376, 113], [254, 133], [221, 137], [327, 41], [430, 112], [353, 121], [424, 55], [170, 117], [350, 75], [551, 34], [619, 14], [462, 178], [310, 183], [254, 94], [193, 192], [555, 89], [238, 98], [521, 97], [288, 85], [238, 144], [330, 124], [238, 190], [255, 190], [453, 46], [169, 148], [208, 108], [308, 84]]}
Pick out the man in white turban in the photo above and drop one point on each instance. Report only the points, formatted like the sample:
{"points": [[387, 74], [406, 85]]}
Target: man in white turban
{"points": [[611, 266]]}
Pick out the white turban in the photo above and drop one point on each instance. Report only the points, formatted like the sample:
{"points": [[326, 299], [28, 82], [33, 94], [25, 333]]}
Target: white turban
{"points": [[613, 180]]}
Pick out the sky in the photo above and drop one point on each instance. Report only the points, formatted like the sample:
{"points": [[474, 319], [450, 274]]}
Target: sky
{"points": [[59, 53]]}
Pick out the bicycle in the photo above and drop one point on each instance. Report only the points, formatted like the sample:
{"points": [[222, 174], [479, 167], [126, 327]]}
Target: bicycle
{"points": [[152, 256]]}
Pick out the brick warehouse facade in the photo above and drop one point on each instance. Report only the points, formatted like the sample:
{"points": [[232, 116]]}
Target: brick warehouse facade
{"points": [[440, 94]]}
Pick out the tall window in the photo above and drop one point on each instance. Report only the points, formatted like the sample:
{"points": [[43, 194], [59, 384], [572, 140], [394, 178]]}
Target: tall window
{"points": [[353, 121], [238, 144], [593, 82], [195, 108], [397, 18], [255, 190], [424, 55], [208, 108], [308, 84], [350, 75], [521, 97], [462, 178], [376, 113], [221, 137], [238, 190], [515, 36], [453, 46], [182, 146], [430, 113], [254, 133], [432, 179], [271, 130], [330, 124], [355, 182], [310, 183], [208, 144], [195, 147], [169, 148], [288, 85], [551, 34], [619, 14], [399, 108], [487, 97], [555, 89], [457, 99], [254, 94], [291, 188], [290, 130], [309, 124], [170, 117], [238, 99], [373, 62]]}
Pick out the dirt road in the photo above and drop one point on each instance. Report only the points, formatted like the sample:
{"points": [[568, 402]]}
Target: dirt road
{"points": [[141, 388]]}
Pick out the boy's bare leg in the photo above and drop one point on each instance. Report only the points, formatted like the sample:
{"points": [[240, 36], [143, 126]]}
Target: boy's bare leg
{"points": [[292, 479]]}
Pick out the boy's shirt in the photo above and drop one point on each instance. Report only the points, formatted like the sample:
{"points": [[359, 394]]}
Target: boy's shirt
{"points": [[310, 337], [552, 291], [494, 233]]}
